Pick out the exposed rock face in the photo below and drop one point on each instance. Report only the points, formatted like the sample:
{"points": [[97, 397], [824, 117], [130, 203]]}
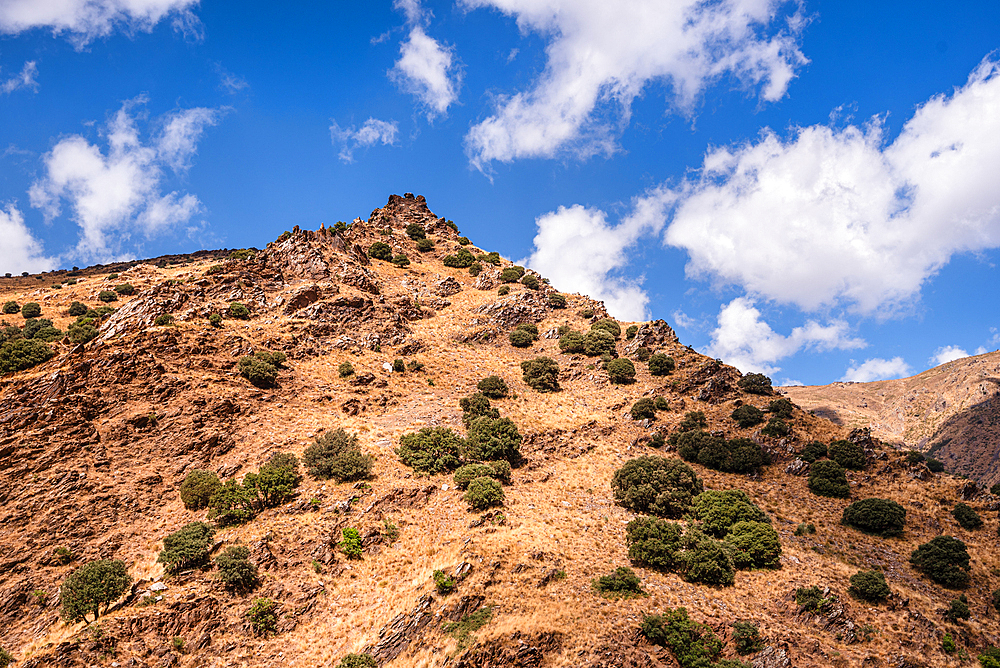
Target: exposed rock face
{"points": [[401, 631], [653, 335], [516, 649]]}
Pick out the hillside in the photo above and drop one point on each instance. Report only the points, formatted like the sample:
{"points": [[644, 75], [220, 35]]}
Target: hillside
{"points": [[96, 441], [951, 412]]}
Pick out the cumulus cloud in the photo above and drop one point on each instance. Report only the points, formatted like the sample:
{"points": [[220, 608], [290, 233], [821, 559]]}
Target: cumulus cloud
{"points": [[579, 251], [111, 194], [601, 55], [744, 340], [840, 217], [426, 69], [25, 79], [370, 133], [947, 354], [85, 20], [876, 369], [18, 248]]}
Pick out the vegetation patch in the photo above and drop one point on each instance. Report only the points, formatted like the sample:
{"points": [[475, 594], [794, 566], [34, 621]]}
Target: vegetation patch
{"points": [[236, 570], [827, 478], [431, 450], [968, 518], [718, 510], [747, 415], [187, 547], [621, 583], [656, 485], [483, 493], [869, 586], [91, 585], [493, 387], [621, 371], [337, 455], [945, 560], [755, 383], [754, 545], [879, 517], [847, 454], [541, 374]]}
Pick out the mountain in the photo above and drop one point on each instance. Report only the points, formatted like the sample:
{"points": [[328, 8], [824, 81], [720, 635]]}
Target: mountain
{"points": [[950, 412], [98, 434]]}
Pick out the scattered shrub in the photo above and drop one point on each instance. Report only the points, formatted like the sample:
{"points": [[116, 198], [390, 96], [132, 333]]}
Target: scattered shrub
{"points": [[945, 560], [236, 570], [656, 485], [259, 372], [82, 331], [739, 455], [187, 547], [510, 275], [598, 342], [754, 545], [444, 583], [934, 465], [719, 510], [125, 289], [380, 251], [40, 329], [351, 544], [497, 470], [13, 307], [746, 637], [631, 332], [519, 338], [276, 481], [198, 488], [644, 409], [238, 311], [621, 583], [813, 451], [6, 658], [572, 342], [475, 269], [263, 616], [755, 383], [21, 354], [431, 450], [775, 428], [425, 245], [782, 408], [503, 291], [337, 455], [529, 327], [557, 300], [653, 542], [493, 387], [75, 309], [643, 354], [463, 259], [875, 516], [345, 369], [959, 609], [33, 310], [990, 658], [163, 320], [803, 529], [464, 241], [483, 493], [215, 320], [694, 645], [747, 416], [621, 371], [401, 260], [587, 313], [358, 661], [107, 296], [827, 478], [968, 518], [541, 374], [415, 231], [810, 598], [476, 406], [847, 454], [413, 366], [531, 282], [608, 325], [661, 364], [398, 366], [90, 585], [493, 439], [661, 404], [869, 586], [948, 644]]}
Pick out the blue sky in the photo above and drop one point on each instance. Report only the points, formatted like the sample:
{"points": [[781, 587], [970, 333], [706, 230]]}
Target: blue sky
{"points": [[807, 190]]}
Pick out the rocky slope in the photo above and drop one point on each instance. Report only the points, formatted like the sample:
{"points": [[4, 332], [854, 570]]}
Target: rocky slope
{"points": [[95, 442]]}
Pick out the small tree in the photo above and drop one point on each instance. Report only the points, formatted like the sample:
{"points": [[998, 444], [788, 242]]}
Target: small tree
{"points": [[236, 570], [492, 439], [656, 485], [431, 450], [609, 325], [426, 245], [521, 339], [351, 545], [746, 637], [483, 493], [238, 311], [653, 542], [875, 516], [621, 371], [90, 585], [754, 545], [755, 383], [827, 478], [345, 369], [644, 409], [706, 560], [720, 509], [694, 645], [263, 616], [747, 415], [813, 451], [466, 474], [776, 428], [21, 354], [415, 231], [493, 387], [476, 406], [945, 560], [75, 309], [847, 454], [869, 586], [380, 251], [12, 307], [107, 296], [276, 481], [336, 454], [958, 609], [231, 504], [259, 372], [557, 300], [125, 289], [541, 374], [187, 547], [661, 364], [621, 583], [598, 342], [444, 583], [572, 342], [531, 282], [967, 517], [33, 310]]}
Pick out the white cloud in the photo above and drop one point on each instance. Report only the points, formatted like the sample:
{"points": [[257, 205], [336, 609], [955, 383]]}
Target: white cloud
{"points": [[579, 251], [981, 350], [18, 248], [744, 340], [838, 217], [947, 354], [85, 20], [370, 133], [111, 194], [427, 70], [683, 319], [876, 369], [788, 382], [26, 79], [229, 82], [601, 55]]}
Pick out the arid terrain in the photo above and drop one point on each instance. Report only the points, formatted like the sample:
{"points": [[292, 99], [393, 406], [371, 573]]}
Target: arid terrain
{"points": [[95, 442]]}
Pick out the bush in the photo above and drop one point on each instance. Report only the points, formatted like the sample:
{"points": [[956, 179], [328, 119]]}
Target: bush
{"points": [[875, 516], [754, 545], [40, 329], [461, 260], [90, 585], [198, 487], [398, 366], [656, 485], [631, 332], [380, 251], [995, 599], [75, 309], [531, 282], [444, 583], [990, 658], [694, 645], [827, 478], [813, 451], [557, 300], [706, 560], [125, 289], [431, 450], [847, 454], [401, 260], [493, 387], [475, 269], [483, 493], [541, 374], [643, 354], [107, 296], [529, 327], [81, 332], [163, 320], [967, 517], [572, 342], [276, 481], [621, 583], [782, 408], [755, 383], [258, 372], [747, 416], [519, 338], [810, 598], [775, 428], [503, 291], [337, 455], [215, 320], [21, 354], [493, 439], [425, 245], [661, 364], [231, 504], [869, 586], [621, 371], [238, 311], [187, 547], [959, 609], [948, 644], [945, 560], [661, 404], [719, 510], [6, 658], [598, 342], [13, 307], [262, 616], [746, 637], [476, 406], [345, 369], [358, 661], [693, 420], [496, 470], [608, 325], [644, 409], [236, 570], [740, 455], [653, 542], [934, 465], [415, 231], [33, 310], [351, 544]]}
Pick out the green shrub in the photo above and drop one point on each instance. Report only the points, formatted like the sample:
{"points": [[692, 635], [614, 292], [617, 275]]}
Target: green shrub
{"points": [[609, 325], [75, 309], [6, 658], [661, 404], [258, 372], [276, 481], [869, 586], [719, 510], [656, 485], [238, 311], [621, 371], [945, 560], [653, 542], [413, 366], [40, 329], [263, 616], [497, 470], [125, 289], [643, 409], [990, 658], [231, 504], [215, 320], [531, 282], [493, 387], [529, 327], [847, 454], [746, 637], [21, 354], [948, 644], [739, 455], [598, 342], [215, 269], [336, 454], [90, 585], [425, 245], [754, 545], [401, 260], [968, 518], [959, 609], [107, 296], [782, 408], [706, 560], [510, 275], [813, 451], [827, 478], [380, 251], [694, 645], [236, 570], [775, 428], [491, 258], [661, 364], [541, 374], [444, 583], [572, 342], [163, 320], [621, 583], [587, 313], [519, 338], [415, 231], [483, 493], [810, 598], [12, 307], [461, 260], [358, 661], [398, 366], [755, 383], [187, 547], [475, 269], [557, 300], [476, 406], [431, 450], [503, 291], [934, 465], [875, 516], [631, 332], [81, 332], [351, 544], [747, 416], [345, 369], [494, 438], [198, 487], [643, 354]]}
